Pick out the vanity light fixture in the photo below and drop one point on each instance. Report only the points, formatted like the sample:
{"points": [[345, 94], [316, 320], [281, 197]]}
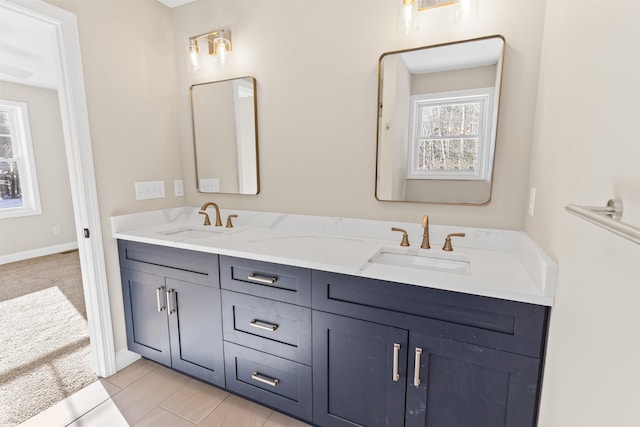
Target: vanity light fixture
{"points": [[408, 16], [467, 10], [219, 43]]}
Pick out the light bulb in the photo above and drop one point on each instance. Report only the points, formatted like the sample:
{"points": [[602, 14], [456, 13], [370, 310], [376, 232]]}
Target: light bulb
{"points": [[222, 48], [466, 10], [407, 16], [193, 55]]}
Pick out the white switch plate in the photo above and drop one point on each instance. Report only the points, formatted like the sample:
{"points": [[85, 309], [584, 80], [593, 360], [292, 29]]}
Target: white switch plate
{"points": [[149, 190], [56, 230], [210, 185], [532, 200], [178, 188]]}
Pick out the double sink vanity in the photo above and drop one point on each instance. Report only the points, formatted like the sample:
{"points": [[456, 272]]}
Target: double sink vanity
{"points": [[330, 320]]}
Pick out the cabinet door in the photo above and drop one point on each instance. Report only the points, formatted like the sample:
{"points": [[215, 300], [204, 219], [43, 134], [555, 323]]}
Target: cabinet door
{"points": [[354, 367], [461, 385], [146, 315], [196, 330]]}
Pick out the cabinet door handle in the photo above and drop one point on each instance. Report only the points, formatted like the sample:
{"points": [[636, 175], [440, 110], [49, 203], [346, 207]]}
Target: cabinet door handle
{"points": [[263, 325], [171, 310], [263, 379], [396, 355], [267, 280], [158, 296], [416, 368]]}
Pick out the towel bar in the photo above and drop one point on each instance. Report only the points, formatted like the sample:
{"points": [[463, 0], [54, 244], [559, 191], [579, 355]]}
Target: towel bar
{"points": [[607, 217]]}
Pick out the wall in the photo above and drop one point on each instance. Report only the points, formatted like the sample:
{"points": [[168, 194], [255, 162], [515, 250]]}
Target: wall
{"points": [[35, 232], [130, 86], [586, 150], [316, 68]]}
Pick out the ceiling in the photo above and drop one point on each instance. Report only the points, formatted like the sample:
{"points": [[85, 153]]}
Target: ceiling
{"points": [[27, 50]]}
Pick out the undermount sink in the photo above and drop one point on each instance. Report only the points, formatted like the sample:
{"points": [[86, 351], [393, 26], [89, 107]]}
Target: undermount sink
{"points": [[195, 232], [423, 259]]}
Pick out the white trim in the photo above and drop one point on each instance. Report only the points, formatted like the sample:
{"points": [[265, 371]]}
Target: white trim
{"points": [[35, 253], [125, 358], [75, 123]]}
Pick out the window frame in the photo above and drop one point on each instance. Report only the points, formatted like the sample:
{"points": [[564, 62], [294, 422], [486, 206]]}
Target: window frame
{"points": [[482, 173], [22, 145]]}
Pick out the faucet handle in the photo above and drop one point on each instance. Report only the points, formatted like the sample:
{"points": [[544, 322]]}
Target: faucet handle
{"points": [[405, 236], [229, 223], [447, 242], [207, 221]]}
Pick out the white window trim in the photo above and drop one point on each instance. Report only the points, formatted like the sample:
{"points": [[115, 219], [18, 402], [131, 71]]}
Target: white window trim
{"points": [[486, 136], [23, 154]]}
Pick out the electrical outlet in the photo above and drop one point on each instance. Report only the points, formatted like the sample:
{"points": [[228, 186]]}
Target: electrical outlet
{"points": [[149, 190], [210, 185], [56, 230], [532, 200], [178, 188]]}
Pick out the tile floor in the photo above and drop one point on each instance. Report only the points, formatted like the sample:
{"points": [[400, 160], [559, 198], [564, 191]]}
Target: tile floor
{"points": [[147, 394]]}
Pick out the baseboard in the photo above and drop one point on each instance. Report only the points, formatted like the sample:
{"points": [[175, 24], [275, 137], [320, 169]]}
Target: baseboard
{"points": [[34, 253], [125, 358]]}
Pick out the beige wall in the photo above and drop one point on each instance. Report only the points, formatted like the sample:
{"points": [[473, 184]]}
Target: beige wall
{"points": [[36, 232], [586, 150], [316, 70], [130, 85]]}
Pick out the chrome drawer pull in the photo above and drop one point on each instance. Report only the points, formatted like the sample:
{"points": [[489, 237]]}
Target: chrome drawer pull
{"points": [[267, 280], [263, 325], [158, 292], [259, 377], [171, 310], [396, 351], [416, 368]]}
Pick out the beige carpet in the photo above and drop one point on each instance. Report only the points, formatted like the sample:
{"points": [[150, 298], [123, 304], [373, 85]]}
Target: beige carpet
{"points": [[44, 343]]}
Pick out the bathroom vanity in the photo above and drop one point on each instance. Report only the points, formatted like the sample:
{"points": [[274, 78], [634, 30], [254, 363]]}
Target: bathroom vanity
{"points": [[302, 314]]}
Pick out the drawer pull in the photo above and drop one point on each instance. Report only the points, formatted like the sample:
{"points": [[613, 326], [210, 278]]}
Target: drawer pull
{"points": [[267, 280], [396, 355], [259, 377], [416, 368], [158, 296], [263, 325]]}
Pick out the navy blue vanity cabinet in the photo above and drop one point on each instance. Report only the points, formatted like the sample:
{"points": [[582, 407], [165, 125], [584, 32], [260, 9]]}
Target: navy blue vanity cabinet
{"points": [[388, 354], [267, 332], [172, 308], [359, 372]]}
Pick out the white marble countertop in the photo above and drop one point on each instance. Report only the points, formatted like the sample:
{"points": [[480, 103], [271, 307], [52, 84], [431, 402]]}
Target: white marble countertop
{"points": [[504, 264]]}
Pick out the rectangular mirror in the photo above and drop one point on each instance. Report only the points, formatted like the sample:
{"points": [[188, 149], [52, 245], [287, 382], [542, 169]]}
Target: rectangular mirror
{"points": [[437, 120], [225, 136]]}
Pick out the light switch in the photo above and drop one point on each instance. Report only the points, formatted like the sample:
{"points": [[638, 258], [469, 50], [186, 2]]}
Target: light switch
{"points": [[178, 188], [210, 185]]}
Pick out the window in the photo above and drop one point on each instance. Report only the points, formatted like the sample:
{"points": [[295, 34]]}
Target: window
{"points": [[451, 136], [18, 184]]}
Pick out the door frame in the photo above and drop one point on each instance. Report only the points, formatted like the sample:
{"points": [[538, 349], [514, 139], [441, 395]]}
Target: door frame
{"points": [[75, 124]]}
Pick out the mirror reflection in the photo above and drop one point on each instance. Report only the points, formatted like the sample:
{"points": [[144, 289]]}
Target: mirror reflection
{"points": [[437, 120], [225, 136]]}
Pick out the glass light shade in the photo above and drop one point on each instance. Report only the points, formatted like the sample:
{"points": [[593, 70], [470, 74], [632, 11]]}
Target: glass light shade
{"points": [[407, 16], [192, 49], [467, 10]]}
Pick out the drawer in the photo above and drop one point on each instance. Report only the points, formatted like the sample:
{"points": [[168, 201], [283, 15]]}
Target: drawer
{"points": [[270, 326], [181, 264], [264, 279], [276, 382], [506, 325]]}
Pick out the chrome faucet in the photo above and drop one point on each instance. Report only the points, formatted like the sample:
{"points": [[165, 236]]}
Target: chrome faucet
{"points": [[206, 220], [425, 234]]}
